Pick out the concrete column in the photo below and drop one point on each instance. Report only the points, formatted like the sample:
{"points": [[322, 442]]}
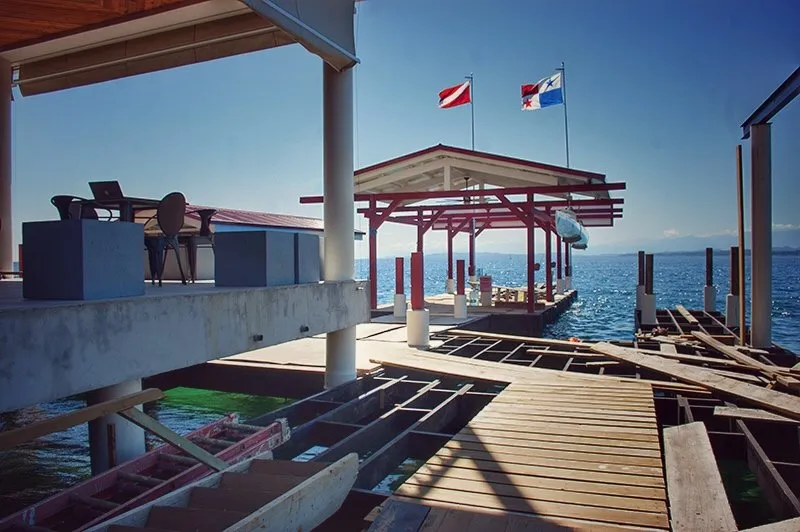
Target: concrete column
{"points": [[761, 254], [339, 208], [127, 439], [6, 227], [418, 318]]}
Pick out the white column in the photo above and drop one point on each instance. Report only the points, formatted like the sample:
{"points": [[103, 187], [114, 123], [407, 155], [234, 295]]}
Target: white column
{"points": [[732, 310], [128, 439], [761, 254], [709, 298], [6, 229], [639, 294], [339, 209], [400, 306]]}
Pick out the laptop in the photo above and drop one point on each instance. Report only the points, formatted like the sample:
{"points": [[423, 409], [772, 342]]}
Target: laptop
{"points": [[106, 190]]}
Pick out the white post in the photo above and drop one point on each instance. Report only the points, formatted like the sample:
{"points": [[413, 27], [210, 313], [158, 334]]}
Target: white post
{"points": [[761, 246], [460, 306], [418, 328], [559, 286], [639, 294], [400, 306], [128, 439], [339, 208], [732, 310], [648, 310], [6, 228], [450, 286], [710, 298]]}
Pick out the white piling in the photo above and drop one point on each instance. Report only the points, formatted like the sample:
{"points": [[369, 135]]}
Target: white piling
{"points": [[418, 328]]}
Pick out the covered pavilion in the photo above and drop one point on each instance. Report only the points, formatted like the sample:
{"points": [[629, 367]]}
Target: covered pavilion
{"points": [[457, 190]]}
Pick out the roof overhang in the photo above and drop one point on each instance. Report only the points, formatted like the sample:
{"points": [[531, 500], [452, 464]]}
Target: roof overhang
{"points": [[449, 168], [171, 34]]}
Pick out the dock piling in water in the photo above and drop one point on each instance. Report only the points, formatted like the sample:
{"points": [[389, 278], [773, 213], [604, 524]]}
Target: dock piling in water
{"points": [[709, 291]]}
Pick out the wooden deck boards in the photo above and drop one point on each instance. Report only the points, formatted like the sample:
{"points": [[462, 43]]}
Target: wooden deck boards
{"points": [[586, 465]]}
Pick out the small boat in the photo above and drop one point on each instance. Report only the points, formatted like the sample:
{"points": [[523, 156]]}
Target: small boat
{"points": [[146, 478], [256, 494], [583, 242], [567, 225]]}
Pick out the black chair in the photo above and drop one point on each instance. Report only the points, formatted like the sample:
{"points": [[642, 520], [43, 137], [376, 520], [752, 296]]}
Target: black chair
{"points": [[203, 236], [170, 217], [75, 207]]}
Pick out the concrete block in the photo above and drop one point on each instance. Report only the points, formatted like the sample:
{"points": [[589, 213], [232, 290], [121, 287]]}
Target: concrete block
{"points": [[307, 266], [82, 260], [254, 258]]}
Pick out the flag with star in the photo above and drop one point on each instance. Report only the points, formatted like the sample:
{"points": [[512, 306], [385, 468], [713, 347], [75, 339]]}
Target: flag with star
{"points": [[544, 93]]}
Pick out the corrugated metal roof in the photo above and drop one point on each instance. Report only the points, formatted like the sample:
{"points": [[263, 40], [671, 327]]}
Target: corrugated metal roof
{"points": [[264, 219]]}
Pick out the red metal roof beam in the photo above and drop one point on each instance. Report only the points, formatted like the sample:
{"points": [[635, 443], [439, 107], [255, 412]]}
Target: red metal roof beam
{"points": [[455, 194]]}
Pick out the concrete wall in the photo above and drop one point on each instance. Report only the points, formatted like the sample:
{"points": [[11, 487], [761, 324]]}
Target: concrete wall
{"points": [[53, 351]]}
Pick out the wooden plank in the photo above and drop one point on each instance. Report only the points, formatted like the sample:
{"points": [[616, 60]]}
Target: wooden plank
{"points": [[536, 459], [558, 454], [399, 516], [516, 522], [458, 460], [579, 405], [511, 432], [146, 422], [629, 493], [542, 508], [752, 413], [570, 411], [734, 353], [533, 441], [601, 431], [14, 437], [601, 437], [502, 485], [787, 525], [694, 485], [308, 504], [687, 315], [569, 417], [769, 399]]}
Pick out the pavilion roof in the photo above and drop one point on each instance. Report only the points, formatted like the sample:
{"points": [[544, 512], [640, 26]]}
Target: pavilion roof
{"points": [[58, 45], [426, 170]]}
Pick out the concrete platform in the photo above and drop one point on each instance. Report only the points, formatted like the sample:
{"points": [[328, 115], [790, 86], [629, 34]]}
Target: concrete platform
{"points": [[54, 349]]}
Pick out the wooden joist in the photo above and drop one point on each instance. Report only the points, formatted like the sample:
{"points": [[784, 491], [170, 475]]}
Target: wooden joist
{"points": [[696, 494], [151, 425], [752, 414], [687, 315], [12, 438], [782, 403]]}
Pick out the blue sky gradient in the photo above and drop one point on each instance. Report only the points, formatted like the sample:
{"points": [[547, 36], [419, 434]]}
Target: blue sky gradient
{"points": [[656, 93]]}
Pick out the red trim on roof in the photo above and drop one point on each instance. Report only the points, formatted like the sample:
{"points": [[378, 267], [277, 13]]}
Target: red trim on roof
{"points": [[263, 219], [485, 155]]}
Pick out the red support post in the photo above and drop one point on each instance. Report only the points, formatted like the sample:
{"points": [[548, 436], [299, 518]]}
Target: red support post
{"points": [[373, 265], [398, 275], [460, 277], [567, 267], [558, 257], [420, 232], [449, 254], [548, 260], [531, 270], [472, 248], [417, 276]]}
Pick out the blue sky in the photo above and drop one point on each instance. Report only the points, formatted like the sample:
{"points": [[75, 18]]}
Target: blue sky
{"points": [[656, 93]]}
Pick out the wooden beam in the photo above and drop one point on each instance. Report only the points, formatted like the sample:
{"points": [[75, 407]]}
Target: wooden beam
{"points": [[687, 315], [752, 414], [694, 485], [782, 403], [12, 438], [778, 494], [146, 422], [732, 352]]}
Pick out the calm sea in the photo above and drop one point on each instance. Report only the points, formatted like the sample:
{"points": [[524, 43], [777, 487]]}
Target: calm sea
{"points": [[606, 289]]}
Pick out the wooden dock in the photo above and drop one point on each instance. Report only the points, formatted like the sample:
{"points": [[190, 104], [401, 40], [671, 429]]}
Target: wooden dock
{"points": [[587, 457]]}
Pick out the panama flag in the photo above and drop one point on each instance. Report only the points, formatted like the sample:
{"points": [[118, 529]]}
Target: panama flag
{"points": [[454, 96], [545, 93]]}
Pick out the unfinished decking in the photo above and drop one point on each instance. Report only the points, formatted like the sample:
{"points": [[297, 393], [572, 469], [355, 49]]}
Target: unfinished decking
{"points": [[585, 455]]}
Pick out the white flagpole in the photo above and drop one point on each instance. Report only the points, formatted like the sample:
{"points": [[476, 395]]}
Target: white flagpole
{"points": [[472, 106], [564, 92]]}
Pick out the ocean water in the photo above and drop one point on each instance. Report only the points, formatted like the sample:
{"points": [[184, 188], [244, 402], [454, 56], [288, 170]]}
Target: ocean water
{"points": [[604, 309]]}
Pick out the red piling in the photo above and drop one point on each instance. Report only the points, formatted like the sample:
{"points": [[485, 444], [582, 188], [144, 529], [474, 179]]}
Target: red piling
{"points": [[417, 287]]}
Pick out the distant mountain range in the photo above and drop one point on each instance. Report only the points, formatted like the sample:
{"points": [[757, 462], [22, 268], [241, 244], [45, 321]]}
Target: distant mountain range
{"points": [[782, 240]]}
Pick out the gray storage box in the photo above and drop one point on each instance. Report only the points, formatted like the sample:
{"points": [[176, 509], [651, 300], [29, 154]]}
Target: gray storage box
{"points": [[82, 259], [254, 258]]}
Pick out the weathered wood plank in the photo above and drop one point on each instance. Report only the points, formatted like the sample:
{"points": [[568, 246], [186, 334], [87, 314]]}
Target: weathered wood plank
{"points": [[694, 485], [557, 435], [601, 433], [687, 315], [545, 442], [769, 399], [734, 353], [752, 413], [164, 433], [14, 437], [399, 516]]}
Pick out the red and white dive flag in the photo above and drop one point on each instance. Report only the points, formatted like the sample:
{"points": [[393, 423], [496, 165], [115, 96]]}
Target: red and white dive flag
{"points": [[454, 96]]}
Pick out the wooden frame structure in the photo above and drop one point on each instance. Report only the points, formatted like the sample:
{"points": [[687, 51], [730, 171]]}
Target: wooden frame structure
{"points": [[397, 190]]}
